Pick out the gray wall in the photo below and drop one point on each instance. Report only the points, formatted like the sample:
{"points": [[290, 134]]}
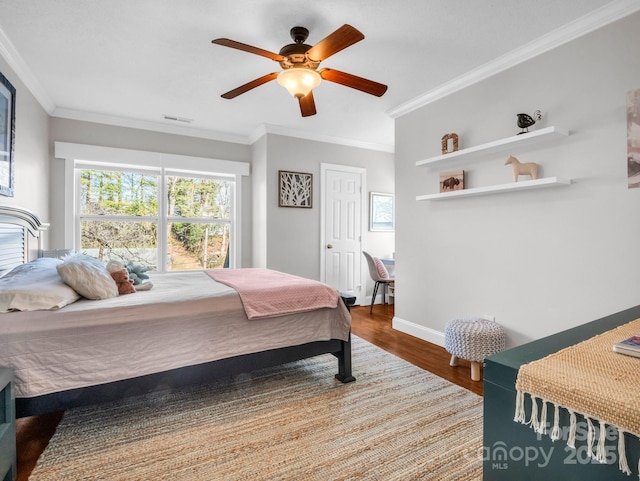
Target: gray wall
{"points": [[293, 235], [540, 261], [31, 151]]}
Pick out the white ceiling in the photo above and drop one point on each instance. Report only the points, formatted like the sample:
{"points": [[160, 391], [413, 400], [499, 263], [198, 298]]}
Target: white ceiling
{"points": [[130, 62]]}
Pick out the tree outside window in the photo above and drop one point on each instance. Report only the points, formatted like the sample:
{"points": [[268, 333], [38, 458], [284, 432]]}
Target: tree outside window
{"points": [[124, 215]]}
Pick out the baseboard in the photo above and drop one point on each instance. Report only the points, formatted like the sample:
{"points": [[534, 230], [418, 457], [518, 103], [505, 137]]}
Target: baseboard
{"points": [[416, 330], [366, 301]]}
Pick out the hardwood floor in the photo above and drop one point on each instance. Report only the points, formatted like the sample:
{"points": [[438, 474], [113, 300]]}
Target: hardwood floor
{"points": [[33, 433], [32, 436], [376, 328]]}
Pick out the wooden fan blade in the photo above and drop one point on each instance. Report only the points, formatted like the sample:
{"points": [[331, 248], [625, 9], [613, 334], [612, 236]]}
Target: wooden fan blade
{"points": [[358, 83], [342, 38], [307, 105], [249, 85], [225, 42]]}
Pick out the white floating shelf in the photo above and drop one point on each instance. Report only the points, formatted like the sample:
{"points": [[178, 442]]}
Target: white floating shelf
{"points": [[496, 189], [530, 138]]}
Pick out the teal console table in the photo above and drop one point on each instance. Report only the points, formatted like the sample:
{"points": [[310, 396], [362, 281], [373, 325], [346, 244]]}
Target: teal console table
{"points": [[513, 451], [7, 426]]}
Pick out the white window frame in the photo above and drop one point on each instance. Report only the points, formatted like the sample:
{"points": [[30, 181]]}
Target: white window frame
{"points": [[78, 156]]}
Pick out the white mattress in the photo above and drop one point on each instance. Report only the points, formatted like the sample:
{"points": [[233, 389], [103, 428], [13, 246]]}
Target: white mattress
{"points": [[185, 319]]}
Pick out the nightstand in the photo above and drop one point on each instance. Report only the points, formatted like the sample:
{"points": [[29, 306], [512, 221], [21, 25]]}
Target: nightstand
{"points": [[7, 426]]}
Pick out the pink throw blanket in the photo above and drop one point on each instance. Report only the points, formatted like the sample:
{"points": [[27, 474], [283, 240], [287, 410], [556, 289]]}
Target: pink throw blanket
{"points": [[267, 293]]}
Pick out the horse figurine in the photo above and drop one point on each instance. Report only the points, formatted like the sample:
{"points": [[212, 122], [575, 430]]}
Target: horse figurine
{"points": [[528, 168]]}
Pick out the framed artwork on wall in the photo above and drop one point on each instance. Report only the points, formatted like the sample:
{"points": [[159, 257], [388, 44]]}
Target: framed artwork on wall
{"points": [[381, 216], [7, 135], [452, 181], [295, 189]]}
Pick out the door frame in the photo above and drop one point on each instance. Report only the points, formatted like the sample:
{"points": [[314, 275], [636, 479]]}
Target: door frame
{"points": [[364, 272]]}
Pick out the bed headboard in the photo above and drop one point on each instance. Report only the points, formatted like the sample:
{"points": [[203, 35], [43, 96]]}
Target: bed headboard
{"points": [[21, 236]]}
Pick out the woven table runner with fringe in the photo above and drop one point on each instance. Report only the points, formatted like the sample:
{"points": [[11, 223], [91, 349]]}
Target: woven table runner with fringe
{"points": [[590, 379]]}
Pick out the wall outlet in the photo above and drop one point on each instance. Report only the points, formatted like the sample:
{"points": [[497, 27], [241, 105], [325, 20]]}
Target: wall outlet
{"points": [[489, 317]]}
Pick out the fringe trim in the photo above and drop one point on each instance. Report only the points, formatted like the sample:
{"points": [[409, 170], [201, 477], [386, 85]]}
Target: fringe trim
{"points": [[519, 416], [535, 425], [571, 441], [590, 436], [622, 454], [542, 426], [538, 422], [601, 453], [555, 432]]}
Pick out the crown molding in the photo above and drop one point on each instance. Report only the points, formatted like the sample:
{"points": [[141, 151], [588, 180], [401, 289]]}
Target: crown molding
{"points": [[117, 121], [588, 23], [210, 134], [24, 73], [328, 139]]}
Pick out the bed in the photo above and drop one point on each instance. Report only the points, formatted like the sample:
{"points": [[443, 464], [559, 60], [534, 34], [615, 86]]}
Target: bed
{"points": [[187, 329]]}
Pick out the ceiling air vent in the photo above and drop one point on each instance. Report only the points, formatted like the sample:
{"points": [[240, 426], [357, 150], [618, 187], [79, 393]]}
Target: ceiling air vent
{"points": [[175, 118]]}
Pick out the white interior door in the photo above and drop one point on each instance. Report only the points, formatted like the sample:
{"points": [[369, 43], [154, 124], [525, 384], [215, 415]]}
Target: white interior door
{"points": [[342, 220]]}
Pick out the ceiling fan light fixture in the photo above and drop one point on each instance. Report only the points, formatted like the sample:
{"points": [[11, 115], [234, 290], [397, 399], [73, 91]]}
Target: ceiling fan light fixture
{"points": [[299, 81]]}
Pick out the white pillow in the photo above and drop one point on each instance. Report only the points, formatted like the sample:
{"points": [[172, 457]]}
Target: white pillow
{"points": [[88, 277], [34, 286]]}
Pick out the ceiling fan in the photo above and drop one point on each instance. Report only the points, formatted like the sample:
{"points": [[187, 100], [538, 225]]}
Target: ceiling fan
{"points": [[299, 62]]}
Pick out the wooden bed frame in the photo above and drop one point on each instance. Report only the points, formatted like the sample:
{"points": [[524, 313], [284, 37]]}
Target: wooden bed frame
{"points": [[21, 229]]}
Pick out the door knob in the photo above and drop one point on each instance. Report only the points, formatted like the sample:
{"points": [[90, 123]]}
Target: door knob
{"points": [[329, 246]]}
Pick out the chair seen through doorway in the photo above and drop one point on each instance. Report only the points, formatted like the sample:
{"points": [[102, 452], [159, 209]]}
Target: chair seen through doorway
{"points": [[380, 276]]}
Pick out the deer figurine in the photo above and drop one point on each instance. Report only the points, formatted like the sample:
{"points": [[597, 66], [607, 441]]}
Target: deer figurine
{"points": [[528, 168]]}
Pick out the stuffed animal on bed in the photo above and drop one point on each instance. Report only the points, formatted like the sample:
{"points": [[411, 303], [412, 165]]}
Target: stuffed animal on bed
{"points": [[137, 273], [137, 276], [125, 285]]}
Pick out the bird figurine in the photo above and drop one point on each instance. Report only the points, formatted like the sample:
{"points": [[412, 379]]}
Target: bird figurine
{"points": [[525, 121]]}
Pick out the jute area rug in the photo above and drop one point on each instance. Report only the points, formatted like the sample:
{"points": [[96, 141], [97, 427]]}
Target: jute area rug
{"points": [[293, 422]]}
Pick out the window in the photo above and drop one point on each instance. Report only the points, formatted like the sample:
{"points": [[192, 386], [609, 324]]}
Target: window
{"points": [[118, 216], [166, 212], [123, 216], [199, 217]]}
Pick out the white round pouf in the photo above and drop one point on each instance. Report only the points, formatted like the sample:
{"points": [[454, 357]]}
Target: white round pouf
{"points": [[473, 339]]}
